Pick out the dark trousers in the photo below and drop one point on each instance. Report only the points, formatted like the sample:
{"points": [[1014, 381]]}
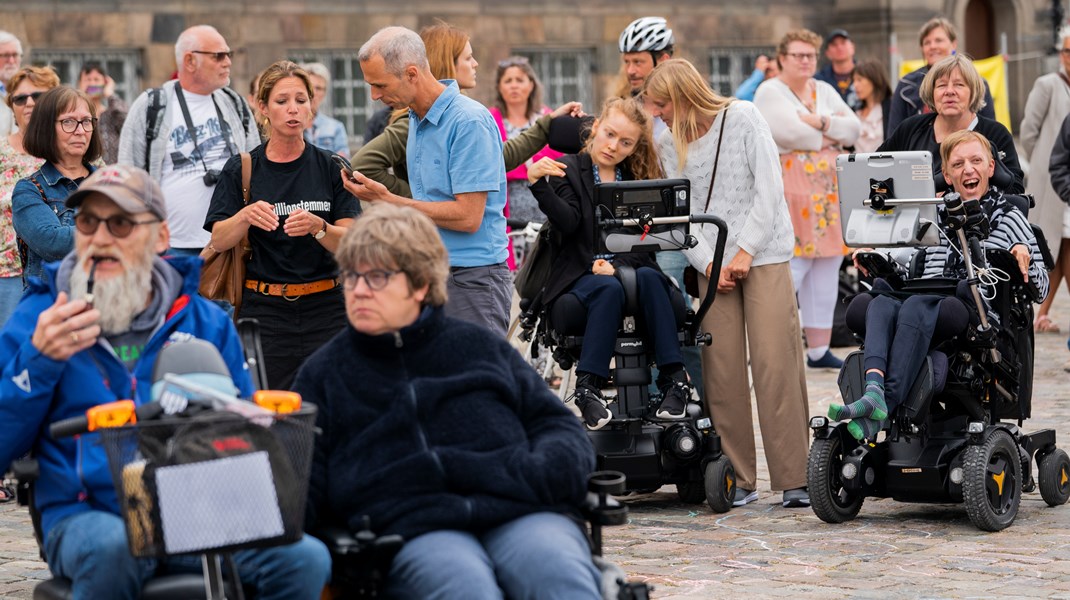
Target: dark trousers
{"points": [[603, 296], [291, 331], [899, 333]]}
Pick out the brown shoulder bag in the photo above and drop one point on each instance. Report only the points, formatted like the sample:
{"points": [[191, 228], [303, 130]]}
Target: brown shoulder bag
{"points": [[223, 273]]}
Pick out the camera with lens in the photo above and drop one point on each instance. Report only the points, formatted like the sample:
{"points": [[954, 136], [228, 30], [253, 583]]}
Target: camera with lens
{"points": [[211, 177]]}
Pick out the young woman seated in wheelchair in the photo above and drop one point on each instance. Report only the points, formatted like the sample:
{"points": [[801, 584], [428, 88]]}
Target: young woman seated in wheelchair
{"points": [[899, 333], [619, 148]]}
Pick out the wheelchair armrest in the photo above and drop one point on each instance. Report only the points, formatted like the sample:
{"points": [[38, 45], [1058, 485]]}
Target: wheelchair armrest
{"points": [[626, 275], [26, 469]]}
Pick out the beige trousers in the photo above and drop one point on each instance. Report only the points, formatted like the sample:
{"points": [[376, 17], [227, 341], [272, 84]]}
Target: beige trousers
{"points": [[759, 317]]}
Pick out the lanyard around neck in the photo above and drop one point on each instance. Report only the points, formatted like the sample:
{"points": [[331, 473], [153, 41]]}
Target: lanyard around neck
{"points": [[223, 125]]}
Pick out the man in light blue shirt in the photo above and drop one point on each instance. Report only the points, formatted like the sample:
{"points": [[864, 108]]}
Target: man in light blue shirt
{"points": [[456, 173]]}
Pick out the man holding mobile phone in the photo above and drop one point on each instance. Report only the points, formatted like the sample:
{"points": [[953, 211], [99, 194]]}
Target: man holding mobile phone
{"points": [[456, 173]]}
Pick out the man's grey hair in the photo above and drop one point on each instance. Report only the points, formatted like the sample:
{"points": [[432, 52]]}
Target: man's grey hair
{"points": [[6, 37], [399, 47], [317, 69], [1064, 32], [188, 41]]}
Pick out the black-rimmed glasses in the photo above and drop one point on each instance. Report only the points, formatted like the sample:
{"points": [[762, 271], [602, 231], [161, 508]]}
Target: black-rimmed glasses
{"points": [[376, 279], [118, 225], [20, 99], [218, 56], [71, 125]]}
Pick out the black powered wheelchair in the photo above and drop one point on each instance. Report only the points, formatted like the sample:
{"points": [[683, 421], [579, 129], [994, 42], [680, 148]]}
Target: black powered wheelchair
{"points": [[644, 216], [957, 434]]}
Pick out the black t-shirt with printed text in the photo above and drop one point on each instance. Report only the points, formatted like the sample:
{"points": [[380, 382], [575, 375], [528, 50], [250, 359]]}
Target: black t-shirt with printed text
{"points": [[311, 182]]}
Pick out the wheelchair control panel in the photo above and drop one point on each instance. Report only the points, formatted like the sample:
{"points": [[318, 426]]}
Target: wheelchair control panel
{"points": [[645, 209]]}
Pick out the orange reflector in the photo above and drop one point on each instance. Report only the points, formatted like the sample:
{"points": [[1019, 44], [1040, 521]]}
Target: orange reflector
{"points": [[278, 401], [112, 414], [727, 482], [998, 478], [1063, 479]]}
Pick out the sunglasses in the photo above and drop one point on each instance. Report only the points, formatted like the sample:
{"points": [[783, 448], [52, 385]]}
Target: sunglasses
{"points": [[217, 56], [513, 62], [20, 99], [118, 225]]}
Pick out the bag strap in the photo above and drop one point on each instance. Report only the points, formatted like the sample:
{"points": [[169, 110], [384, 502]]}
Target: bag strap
{"points": [[246, 175], [716, 159], [152, 113]]}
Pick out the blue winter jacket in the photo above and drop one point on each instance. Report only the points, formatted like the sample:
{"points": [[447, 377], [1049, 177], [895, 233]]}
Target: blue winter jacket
{"points": [[36, 391]]}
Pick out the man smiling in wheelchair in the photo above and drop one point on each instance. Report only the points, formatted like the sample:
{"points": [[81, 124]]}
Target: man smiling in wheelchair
{"points": [[948, 354], [898, 331]]}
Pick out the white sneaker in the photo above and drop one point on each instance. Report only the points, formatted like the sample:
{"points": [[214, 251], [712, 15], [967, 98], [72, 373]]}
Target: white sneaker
{"points": [[744, 497]]}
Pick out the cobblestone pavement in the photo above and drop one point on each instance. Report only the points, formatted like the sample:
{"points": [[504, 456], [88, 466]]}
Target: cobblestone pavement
{"points": [[762, 550]]}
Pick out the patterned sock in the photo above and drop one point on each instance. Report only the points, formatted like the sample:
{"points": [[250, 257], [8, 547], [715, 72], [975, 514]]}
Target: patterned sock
{"points": [[871, 404], [864, 428]]}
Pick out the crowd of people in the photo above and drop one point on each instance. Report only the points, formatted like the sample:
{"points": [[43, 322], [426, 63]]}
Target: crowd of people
{"points": [[403, 309]]}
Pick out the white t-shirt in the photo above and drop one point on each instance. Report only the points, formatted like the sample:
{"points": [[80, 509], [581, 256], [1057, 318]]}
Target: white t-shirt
{"points": [[183, 171]]}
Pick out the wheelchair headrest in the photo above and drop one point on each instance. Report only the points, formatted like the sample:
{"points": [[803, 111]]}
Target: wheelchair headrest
{"points": [[568, 134]]}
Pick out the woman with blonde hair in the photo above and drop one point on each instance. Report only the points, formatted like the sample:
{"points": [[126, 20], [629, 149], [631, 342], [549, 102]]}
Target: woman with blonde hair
{"points": [[620, 148], [813, 125], [297, 212], [717, 142]]}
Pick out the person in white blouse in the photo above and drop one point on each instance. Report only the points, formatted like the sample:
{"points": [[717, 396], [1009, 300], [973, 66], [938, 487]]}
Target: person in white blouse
{"points": [[725, 144], [875, 95], [811, 124]]}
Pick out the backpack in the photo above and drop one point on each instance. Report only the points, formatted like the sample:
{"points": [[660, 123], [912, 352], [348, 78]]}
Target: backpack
{"points": [[155, 108]]}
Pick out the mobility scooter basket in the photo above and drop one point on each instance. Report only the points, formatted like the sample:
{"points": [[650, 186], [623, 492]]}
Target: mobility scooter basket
{"points": [[215, 482]]}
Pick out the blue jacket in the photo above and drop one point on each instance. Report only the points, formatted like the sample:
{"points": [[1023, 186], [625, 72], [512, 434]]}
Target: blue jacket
{"points": [[441, 425], [47, 227], [36, 391]]}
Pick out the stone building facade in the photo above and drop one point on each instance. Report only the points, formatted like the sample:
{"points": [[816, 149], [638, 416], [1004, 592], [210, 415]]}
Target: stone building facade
{"points": [[573, 45]]}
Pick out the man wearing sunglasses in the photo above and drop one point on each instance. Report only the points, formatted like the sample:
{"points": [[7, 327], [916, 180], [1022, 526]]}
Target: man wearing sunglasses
{"points": [[183, 132], [10, 63], [89, 334]]}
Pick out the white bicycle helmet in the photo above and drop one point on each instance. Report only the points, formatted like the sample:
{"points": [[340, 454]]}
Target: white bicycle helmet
{"points": [[647, 34]]}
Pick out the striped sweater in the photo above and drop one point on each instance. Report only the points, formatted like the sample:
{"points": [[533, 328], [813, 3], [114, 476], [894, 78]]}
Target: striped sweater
{"points": [[1009, 227]]}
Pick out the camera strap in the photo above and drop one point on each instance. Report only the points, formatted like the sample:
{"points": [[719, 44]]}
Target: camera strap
{"points": [[193, 130]]}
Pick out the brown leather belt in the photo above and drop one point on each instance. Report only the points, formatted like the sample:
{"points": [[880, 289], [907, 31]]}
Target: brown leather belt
{"points": [[291, 290]]}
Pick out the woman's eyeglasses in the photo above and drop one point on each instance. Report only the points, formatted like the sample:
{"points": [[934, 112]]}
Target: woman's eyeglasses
{"points": [[802, 56], [20, 99], [217, 56], [118, 225], [376, 279], [71, 125]]}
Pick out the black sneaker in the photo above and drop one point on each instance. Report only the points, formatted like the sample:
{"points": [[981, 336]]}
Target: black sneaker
{"points": [[593, 408], [674, 399]]}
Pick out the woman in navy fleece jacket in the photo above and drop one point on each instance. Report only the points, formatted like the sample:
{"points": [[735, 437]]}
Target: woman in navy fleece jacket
{"points": [[439, 431]]}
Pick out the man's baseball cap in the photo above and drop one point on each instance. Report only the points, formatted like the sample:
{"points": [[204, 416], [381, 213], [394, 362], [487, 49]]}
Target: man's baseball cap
{"points": [[835, 33], [131, 188]]}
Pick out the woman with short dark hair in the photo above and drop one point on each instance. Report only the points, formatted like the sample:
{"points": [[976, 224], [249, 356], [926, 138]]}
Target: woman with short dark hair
{"points": [[62, 131]]}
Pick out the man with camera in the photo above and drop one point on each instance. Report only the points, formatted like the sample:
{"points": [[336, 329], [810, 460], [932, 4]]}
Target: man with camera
{"points": [[183, 132], [88, 334]]}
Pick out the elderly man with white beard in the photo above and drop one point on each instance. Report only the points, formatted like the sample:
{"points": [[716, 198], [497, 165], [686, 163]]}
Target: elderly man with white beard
{"points": [[88, 334]]}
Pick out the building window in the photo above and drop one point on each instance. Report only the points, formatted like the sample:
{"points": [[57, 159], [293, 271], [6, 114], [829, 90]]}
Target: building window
{"points": [[730, 67], [123, 66], [349, 99], [565, 74]]}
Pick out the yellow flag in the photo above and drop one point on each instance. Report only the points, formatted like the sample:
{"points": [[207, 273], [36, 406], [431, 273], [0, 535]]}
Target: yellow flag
{"points": [[994, 70]]}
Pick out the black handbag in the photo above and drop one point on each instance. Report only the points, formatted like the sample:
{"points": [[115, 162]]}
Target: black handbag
{"points": [[535, 271]]}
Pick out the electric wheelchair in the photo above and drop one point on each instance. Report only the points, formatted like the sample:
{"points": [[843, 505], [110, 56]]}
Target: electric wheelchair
{"points": [[956, 436], [643, 216]]}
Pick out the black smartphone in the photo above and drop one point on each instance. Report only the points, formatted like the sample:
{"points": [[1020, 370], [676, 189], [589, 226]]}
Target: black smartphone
{"points": [[343, 164]]}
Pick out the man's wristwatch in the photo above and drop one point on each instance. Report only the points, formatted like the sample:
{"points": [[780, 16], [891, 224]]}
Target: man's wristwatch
{"points": [[322, 232]]}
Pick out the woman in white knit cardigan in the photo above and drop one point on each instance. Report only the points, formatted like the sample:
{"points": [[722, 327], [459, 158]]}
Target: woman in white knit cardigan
{"points": [[811, 124], [755, 306]]}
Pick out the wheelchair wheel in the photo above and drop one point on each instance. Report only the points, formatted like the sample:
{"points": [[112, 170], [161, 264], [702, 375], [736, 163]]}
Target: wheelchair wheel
{"points": [[831, 502], [992, 481], [691, 492], [1054, 476], [720, 484]]}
